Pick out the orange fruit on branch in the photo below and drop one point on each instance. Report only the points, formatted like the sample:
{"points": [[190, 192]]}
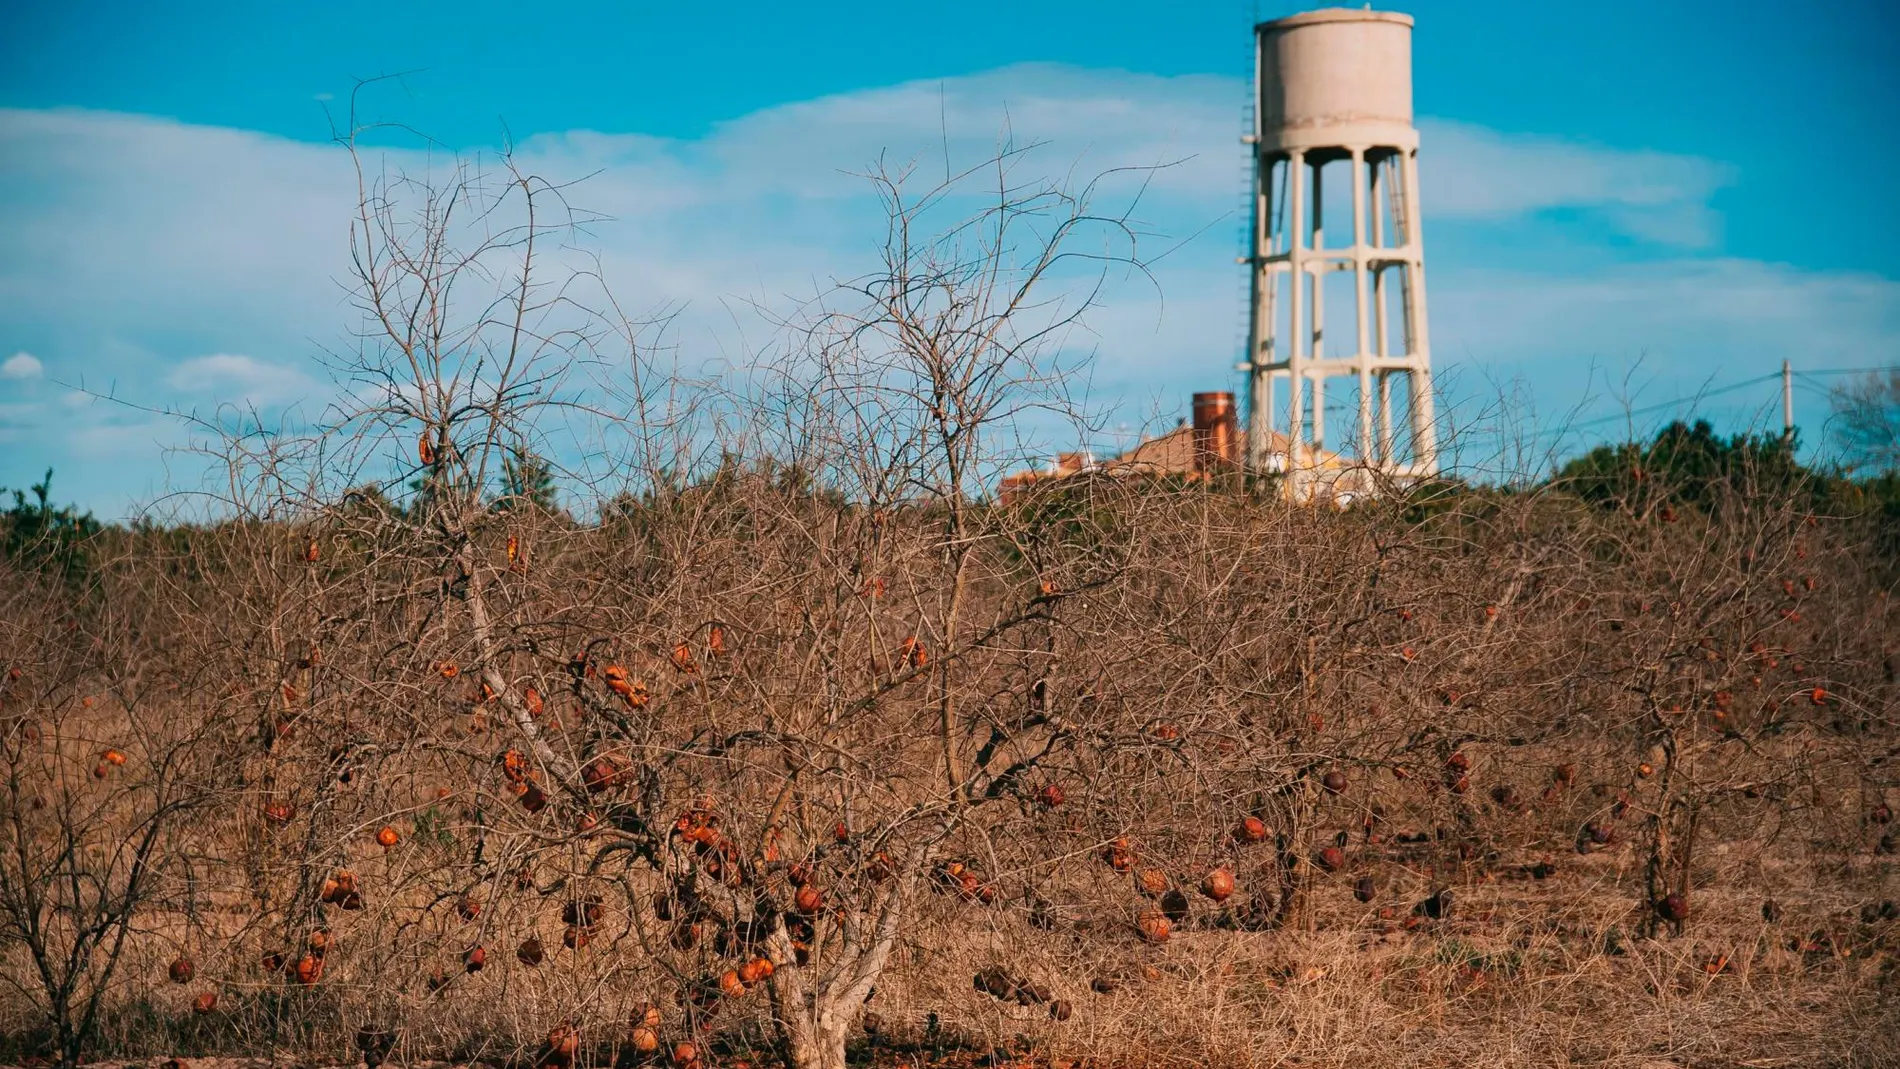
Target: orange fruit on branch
{"points": [[529, 953], [914, 653], [606, 772], [309, 969]]}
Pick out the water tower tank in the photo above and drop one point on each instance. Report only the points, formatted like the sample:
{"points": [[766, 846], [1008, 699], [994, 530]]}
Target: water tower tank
{"points": [[1337, 77], [1338, 330]]}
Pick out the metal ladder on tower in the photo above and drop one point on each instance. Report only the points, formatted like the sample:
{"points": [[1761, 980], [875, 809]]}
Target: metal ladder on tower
{"points": [[1248, 224]]}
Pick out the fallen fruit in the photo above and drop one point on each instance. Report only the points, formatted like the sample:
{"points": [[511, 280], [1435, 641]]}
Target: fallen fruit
{"points": [[1153, 881], [1219, 885], [1153, 926]]}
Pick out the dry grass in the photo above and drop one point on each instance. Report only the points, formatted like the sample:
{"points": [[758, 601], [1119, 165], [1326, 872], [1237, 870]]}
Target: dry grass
{"points": [[1524, 973]]}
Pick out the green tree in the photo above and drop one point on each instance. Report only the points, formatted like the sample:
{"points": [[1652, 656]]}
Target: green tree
{"points": [[527, 481], [38, 535], [1685, 464]]}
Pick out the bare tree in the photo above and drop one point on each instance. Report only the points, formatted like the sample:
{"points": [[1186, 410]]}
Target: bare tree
{"points": [[1866, 420], [109, 768]]}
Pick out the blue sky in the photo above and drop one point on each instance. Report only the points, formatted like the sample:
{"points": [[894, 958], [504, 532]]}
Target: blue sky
{"points": [[1660, 196]]}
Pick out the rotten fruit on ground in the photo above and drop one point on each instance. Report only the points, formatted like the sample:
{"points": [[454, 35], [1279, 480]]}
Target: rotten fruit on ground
{"points": [[1219, 885], [1153, 926]]}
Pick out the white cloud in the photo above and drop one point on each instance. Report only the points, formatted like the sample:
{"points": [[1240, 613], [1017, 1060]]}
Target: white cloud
{"points": [[1469, 172], [228, 242], [234, 378], [21, 365]]}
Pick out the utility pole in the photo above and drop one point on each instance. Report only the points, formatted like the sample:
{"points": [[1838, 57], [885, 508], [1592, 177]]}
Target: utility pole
{"points": [[1787, 401]]}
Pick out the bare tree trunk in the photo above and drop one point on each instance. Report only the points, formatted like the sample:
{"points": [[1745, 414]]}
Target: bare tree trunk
{"points": [[811, 1023], [814, 1009]]}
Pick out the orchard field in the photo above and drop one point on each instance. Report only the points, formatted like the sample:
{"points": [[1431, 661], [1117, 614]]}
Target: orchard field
{"points": [[779, 741], [1153, 775]]}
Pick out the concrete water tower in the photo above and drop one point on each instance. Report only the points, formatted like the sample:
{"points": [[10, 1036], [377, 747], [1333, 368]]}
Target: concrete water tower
{"points": [[1337, 324]]}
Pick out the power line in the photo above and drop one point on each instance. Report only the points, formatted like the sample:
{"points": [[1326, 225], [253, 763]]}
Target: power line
{"points": [[1662, 406], [1848, 370]]}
